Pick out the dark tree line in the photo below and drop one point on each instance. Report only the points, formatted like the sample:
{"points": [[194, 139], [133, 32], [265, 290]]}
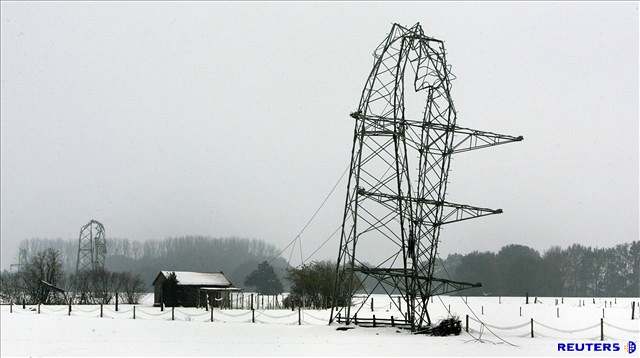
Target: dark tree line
{"points": [[514, 270], [236, 257], [575, 271]]}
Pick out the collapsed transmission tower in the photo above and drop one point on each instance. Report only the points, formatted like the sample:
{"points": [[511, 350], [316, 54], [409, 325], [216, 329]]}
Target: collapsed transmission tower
{"points": [[92, 247], [395, 204]]}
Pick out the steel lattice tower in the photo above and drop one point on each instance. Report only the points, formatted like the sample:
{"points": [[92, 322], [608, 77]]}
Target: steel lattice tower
{"points": [[92, 247], [396, 201]]}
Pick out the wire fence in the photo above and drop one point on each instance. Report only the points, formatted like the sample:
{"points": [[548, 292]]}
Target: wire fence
{"points": [[533, 328], [530, 328]]}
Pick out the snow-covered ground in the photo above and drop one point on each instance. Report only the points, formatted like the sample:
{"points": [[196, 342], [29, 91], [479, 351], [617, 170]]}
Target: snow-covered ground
{"points": [[276, 332]]}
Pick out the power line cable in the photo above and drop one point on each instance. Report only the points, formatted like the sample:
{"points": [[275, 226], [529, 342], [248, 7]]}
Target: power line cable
{"points": [[306, 225], [324, 242], [471, 310]]}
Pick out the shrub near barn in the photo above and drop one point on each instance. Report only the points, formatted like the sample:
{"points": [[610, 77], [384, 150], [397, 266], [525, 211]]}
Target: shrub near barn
{"points": [[312, 285]]}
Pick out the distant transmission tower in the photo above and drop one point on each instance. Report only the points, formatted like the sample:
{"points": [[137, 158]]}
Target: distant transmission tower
{"points": [[395, 204], [22, 261], [92, 247]]}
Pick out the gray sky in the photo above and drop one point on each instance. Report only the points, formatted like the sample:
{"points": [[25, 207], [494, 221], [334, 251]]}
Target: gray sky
{"points": [[222, 119]]}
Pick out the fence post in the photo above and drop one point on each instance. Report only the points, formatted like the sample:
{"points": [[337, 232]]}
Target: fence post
{"points": [[466, 325], [482, 309], [499, 299], [69, 308], [134, 312], [558, 312], [520, 311], [253, 316], [399, 305], [393, 323], [374, 320], [252, 301], [24, 305], [211, 315], [603, 313], [527, 301], [601, 329], [633, 309], [371, 304], [338, 317], [101, 310], [532, 328], [11, 308], [299, 316], [172, 313], [562, 300], [161, 306], [38, 308]]}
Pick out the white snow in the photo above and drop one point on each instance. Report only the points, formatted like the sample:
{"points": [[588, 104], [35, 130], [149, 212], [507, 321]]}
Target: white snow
{"points": [[200, 278], [276, 332]]}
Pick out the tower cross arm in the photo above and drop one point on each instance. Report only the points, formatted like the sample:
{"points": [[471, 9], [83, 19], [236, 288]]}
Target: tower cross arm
{"points": [[467, 139], [442, 286], [464, 139], [459, 212]]}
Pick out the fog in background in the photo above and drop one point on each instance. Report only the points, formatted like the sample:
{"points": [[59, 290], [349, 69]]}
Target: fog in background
{"points": [[221, 119]]}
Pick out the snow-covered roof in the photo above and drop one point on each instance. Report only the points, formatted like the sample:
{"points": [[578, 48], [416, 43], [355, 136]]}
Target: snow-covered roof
{"points": [[199, 278], [224, 289]]}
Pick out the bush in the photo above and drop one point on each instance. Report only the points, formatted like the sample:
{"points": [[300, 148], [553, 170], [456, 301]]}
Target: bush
{"points": [[312, 285]]}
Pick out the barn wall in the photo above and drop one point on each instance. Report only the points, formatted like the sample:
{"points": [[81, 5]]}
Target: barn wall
{"points": [[157, 292], [188, 296]]}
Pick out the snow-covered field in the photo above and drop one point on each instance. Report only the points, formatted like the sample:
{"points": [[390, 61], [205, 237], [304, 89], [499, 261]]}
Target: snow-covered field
{"points": [[276, 332]]}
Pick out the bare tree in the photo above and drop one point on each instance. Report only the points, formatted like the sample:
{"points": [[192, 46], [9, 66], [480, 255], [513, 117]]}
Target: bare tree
{"points": [[44, 265], [11, 289], [131, 286]]}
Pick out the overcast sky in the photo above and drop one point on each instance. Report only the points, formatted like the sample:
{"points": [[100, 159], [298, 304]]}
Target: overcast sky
{"points": [[162, 119]]}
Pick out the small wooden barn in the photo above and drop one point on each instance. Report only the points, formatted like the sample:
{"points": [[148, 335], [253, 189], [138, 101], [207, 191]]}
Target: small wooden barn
{"points": [[195, 289]]}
